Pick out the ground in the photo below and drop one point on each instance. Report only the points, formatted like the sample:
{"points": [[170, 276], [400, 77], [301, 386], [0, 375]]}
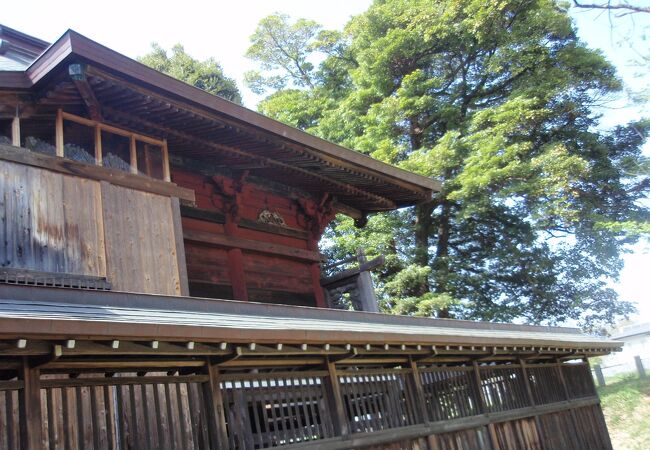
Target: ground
{"points": [[626, 404]]}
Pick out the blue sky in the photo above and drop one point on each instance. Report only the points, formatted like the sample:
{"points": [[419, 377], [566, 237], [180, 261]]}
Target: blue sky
{"points": [[221, 29]]}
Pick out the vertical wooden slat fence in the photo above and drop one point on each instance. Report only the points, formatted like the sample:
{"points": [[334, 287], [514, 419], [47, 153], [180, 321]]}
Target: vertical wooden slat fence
{"points": [[544, 381], [480, 406], [578, 380], [9, 415], [503, 388], [450, 392], [378, 399]]}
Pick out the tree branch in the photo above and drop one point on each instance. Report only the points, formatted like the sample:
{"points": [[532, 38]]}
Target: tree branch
{"points": [[624, 6]]}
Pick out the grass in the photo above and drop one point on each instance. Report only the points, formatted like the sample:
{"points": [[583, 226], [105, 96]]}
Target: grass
{"points": [[626, 404]]}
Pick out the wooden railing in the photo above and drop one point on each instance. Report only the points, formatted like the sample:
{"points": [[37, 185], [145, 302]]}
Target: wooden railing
{"points": [[496, 406]]}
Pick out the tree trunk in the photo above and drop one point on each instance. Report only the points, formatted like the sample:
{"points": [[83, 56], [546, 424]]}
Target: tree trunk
{"points": [[441, 263], [422, 232]]}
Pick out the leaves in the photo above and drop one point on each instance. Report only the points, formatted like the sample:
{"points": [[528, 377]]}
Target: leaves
{"points": [[495, 100], [207, 75]]}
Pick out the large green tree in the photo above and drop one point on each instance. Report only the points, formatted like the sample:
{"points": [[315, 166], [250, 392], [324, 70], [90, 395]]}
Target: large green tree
{"points": [[496, 100], [207, 75]]}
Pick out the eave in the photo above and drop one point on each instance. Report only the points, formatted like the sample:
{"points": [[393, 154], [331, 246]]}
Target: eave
{"points": [[246, 331]]}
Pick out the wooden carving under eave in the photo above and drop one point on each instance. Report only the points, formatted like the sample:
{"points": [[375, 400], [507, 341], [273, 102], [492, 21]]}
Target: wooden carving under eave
{"points": [[319, 215], [271, 218], [232, 191]]}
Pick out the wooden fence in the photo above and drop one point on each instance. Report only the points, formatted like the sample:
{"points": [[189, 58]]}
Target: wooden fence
{"points": [[475, 406]]}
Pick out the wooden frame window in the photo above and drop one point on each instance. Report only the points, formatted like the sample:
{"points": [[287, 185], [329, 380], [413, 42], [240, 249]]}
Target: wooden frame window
{"points": [[114, 147]]}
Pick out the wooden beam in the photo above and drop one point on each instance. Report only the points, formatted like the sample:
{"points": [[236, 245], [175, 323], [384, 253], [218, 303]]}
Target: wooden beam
{"points": [[98, 146], [165, 161], [265, 161], [78, 74], [101, 364], [15, 131], [365, 266], [223, 240], [272, 362], [109, 380], [133, 152], [111, 129], [58, 131]]}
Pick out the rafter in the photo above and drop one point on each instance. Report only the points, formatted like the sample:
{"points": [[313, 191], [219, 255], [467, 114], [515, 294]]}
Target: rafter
{"points": [[263, 160]]}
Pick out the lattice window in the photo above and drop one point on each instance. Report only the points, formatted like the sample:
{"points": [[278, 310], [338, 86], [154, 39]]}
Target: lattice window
{"points": [[503, 388], [545, 384], [35, 278], [270, 410], [450, 392], [377, 400]]}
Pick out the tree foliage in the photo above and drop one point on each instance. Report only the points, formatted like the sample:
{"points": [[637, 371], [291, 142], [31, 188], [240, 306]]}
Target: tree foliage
{"points": [[496, 100], [207, 75]]}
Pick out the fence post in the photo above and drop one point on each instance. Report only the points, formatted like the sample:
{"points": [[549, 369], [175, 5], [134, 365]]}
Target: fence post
{"points": [[214, 403], [30, 407], [639, 366], [599, 375], [421, 399], [335, 399]]}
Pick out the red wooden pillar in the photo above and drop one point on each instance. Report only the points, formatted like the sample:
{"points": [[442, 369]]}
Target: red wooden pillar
{"points": [[233, 192], [318, 290], [319, 215], [236, 264]]}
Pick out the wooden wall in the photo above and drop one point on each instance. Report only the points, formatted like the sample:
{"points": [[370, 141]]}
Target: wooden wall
{"points": [[267, 266], [50, 222], [140, 241], [55, 223]]}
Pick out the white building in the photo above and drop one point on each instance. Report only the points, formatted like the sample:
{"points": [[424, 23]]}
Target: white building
{"points": [[637, 343]]}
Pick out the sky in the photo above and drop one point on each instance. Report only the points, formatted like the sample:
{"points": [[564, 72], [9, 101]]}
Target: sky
{"points": [[221, 29]]}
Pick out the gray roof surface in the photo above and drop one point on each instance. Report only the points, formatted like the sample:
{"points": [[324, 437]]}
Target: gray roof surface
{"points": [[11, 61], [633, 330], [214, 317]]}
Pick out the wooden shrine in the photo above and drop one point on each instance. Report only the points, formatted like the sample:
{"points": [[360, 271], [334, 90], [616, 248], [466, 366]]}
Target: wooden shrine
{"points": [[161, 285]]}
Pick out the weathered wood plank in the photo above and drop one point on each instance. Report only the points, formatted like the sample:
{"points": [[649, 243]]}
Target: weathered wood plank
{"points": [[181, 263], [140, 241]]}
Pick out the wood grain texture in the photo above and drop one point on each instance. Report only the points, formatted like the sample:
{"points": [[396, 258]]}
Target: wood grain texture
{"points": [[140, 241], [52, 222]]}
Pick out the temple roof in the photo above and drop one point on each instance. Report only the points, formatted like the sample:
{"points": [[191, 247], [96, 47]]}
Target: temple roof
{"points": [[204, 127]]}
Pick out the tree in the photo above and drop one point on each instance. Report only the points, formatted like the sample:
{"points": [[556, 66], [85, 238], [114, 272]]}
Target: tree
{"points": [[494, 99], [207, 75]]}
